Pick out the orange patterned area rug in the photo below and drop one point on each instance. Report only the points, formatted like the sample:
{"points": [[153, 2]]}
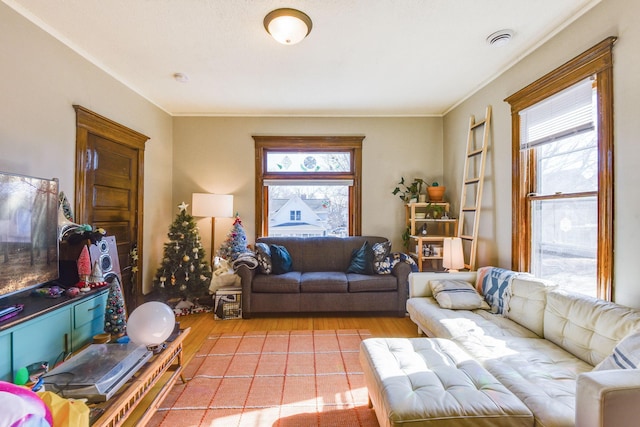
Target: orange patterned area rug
{"points": [[275, 378]]}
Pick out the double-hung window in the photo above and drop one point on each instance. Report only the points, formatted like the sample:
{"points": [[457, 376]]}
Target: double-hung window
{"points": [[308, 186], [563, 174]]}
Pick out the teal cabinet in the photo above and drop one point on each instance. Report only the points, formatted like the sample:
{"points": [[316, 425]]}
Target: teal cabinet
{"points": [[5, 356], [45, 338], [88, 320], [52, 335]]}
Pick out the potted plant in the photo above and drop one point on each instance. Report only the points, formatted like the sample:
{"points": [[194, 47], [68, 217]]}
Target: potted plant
{"points": [[436, 192], [408, 192], [434, 211]]}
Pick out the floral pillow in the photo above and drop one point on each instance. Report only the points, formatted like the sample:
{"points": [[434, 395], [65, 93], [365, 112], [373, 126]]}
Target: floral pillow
{"points": [[263, 255], [380, 253], [386, 266]]}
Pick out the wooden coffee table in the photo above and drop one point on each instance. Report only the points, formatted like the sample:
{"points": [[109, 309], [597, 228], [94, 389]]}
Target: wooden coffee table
{"points": [[121, 405]]}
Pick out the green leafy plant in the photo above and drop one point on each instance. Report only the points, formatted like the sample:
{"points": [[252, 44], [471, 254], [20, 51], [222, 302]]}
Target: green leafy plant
{"points": [[406, 236], [434, 211], [407, 191]]}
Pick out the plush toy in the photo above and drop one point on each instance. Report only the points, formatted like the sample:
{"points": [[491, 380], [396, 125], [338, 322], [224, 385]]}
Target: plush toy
{"points": [[20, 407], [223, 275]]}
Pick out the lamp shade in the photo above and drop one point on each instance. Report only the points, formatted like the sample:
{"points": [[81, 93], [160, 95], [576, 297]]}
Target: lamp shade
{"points": [[452, 255], [287, 26], [212, 205]]}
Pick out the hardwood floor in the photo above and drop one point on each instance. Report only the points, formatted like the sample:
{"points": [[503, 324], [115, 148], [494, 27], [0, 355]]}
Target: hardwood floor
{"points": [[204, 324]]}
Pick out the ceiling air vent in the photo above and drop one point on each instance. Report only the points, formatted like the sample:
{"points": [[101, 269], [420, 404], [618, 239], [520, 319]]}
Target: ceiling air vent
{"points": [[500, 38]]}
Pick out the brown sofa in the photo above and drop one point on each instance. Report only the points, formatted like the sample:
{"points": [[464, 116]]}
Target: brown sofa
{"points": [[319, 282]]}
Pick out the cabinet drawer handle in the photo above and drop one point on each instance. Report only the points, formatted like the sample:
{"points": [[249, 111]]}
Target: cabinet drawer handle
{"points": [[94, 307]]}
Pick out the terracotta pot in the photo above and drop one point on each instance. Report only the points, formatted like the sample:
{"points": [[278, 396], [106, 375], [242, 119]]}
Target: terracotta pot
{"points": [[436, 194]]}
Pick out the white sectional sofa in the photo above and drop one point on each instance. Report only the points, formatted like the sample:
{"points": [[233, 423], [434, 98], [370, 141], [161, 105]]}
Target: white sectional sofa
{"points": [[543, 350]]}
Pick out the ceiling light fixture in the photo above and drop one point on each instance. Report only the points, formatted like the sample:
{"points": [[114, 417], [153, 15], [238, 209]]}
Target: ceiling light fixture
{"points": [[500, 38], [287, 26]]}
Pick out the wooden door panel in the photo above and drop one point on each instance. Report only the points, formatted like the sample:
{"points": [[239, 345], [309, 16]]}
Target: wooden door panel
{"points": [[109, 186]]}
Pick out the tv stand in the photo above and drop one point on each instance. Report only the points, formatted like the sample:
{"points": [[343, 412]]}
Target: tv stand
{"points": [[48, 328]]}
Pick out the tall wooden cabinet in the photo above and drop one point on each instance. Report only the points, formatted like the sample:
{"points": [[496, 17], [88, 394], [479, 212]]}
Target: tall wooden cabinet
{"points": [[428, 224]]}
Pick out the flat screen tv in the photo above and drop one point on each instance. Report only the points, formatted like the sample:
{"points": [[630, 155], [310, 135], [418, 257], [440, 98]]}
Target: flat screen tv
{"points": [[28, 232]]}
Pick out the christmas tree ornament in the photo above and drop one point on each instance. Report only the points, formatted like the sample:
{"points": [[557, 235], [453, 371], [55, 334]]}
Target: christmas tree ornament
{"points": [[186, 258]]}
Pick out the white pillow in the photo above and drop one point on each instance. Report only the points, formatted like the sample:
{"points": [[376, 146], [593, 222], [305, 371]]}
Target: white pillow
{"points": [[626, 355], [457, 295]]}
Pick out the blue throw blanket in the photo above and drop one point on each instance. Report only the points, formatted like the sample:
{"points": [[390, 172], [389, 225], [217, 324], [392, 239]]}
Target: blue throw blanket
{"points": [[496, 287]]}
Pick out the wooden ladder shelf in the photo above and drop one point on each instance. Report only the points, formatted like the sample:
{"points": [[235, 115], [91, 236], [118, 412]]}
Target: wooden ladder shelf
{"points": [[471, 194]]}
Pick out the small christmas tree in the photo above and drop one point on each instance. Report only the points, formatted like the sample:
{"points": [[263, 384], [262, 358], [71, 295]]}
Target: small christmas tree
{"points": [[185, 271], [115, 315], [236, 242]]}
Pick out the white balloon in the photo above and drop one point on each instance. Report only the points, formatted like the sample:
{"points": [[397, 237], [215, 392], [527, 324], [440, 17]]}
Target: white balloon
{"points": [[151, 323]]}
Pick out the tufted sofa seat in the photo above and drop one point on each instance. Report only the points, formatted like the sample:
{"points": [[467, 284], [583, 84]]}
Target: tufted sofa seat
{"points": [[543, 350], [319, 281]]}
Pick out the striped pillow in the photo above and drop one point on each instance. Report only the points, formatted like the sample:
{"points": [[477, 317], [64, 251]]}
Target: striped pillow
{"points": [[457, 295], [626, 355]]}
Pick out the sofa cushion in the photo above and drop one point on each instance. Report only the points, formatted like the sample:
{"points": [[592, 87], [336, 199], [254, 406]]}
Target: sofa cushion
{"points": [[362, 260], [280, 259], [263, 256], [527, 302], [324, 281], [375, 283], [432, 382], [540, 373], [626, 355], [445, 323], [587, 327], [457, 295], [288, 283]]}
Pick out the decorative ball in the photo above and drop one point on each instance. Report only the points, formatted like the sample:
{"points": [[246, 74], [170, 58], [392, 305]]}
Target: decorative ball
{"points": [[186, 258], [151, 323]]}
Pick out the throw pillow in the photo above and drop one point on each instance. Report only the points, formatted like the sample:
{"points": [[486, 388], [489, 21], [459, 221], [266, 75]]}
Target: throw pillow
{"points": [[280, 259], [362, 260], [263, 255], [457, 295], [626, 355], [380, 253]]}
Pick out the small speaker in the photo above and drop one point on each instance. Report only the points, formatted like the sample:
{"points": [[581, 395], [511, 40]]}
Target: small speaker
{"points": [[105, 252]]}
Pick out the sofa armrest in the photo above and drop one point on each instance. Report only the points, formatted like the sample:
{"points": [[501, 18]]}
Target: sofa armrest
{"points": [[401, 271], [608, 398], [246, 278]]}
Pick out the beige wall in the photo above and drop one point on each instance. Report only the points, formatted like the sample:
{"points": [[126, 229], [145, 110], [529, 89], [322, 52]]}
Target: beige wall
{"points": [[609, 18], [217, 155], [41, 80]]}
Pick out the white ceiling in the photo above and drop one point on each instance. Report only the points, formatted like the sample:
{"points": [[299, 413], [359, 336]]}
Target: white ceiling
{"points": [[362, 58]]}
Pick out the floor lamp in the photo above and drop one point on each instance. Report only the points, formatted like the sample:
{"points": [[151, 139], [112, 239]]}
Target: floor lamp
{"points": [[214, 206]]}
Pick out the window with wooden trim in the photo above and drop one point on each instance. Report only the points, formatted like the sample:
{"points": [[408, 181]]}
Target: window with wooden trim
{"points": [[562, 131], [308, 185]]}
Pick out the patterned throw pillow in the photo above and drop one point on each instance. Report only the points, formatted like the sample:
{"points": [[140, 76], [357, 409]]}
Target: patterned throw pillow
{"points": [[457, 295], [263, 255], [626, 355], [386, 266], [362, 260], [280, 259], [380, 253]]}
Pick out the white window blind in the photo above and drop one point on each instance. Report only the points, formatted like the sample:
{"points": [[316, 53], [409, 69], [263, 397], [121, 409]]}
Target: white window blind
{"points": [[310, 181], [567, 113]]}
